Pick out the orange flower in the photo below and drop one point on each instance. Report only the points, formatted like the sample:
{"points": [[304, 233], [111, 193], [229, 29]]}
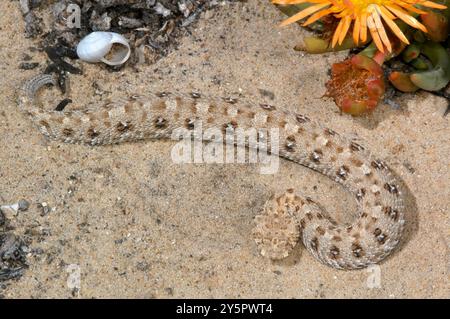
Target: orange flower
{"points": [[365, 15]]}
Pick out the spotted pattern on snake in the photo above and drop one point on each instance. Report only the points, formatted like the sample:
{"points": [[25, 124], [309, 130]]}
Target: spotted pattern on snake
{"points": [[286, 219]]}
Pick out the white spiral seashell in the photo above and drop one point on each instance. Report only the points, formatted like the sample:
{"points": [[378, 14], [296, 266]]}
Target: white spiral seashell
{"points": [[96, 45]]}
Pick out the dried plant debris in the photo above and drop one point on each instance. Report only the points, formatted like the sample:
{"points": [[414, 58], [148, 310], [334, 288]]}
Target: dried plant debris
{"points": [[13, 249], [12, 256], [13, 252], [33, 24], [151, 26]]}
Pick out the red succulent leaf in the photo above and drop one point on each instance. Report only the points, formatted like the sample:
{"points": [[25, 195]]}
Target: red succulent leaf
{"points": [[437, 25], [356, 85], [402, 81]]}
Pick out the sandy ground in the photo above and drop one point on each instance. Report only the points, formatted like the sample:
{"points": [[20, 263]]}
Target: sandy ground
{"points": [[137, 225]]}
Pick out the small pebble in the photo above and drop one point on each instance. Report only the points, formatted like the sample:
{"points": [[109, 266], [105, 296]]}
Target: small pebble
{"points": [[26, 57], [169, 291], [28, 65], [409, 167], [24, 6], [2, 218], [45, 209], [23, 205]]}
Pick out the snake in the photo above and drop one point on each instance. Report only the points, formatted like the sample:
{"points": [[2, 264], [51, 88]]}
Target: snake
{"points": [[287, 219]]}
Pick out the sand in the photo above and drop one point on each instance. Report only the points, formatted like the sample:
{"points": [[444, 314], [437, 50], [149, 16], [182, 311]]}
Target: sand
{"points": [[135, 224]]}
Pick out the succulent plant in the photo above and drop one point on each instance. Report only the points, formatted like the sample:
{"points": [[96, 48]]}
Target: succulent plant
{"points": [[439, 75], [358, 84]]}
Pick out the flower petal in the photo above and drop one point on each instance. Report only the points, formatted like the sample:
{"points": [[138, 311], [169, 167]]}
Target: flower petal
{"points": [[289, 1], [402, 14], [304, 13], [364, 27], [394, 27], [381, 31], [337, 33], [316, 16], [347, 20], [374, 32], [356, 30], [431, 4]]}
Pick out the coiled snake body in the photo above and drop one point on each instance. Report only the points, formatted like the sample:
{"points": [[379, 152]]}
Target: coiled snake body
{"points": [[287, 218]]}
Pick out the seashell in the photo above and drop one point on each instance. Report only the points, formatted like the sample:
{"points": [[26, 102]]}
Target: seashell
{"points": [[96, 45]]}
